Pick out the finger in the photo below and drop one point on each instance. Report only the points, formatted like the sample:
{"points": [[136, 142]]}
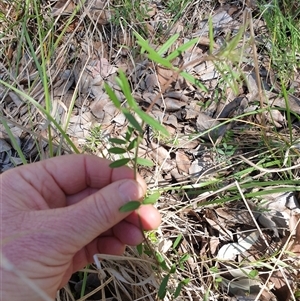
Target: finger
{"points": [[67, 175], [86, 220], [128, 233], [125, 233], [146, 217], [102, 245], [106, 245]]}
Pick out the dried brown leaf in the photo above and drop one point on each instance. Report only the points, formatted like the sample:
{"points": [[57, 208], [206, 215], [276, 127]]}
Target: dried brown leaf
{"points": [[183, 162], [164, 75], [171, 120], [63, 7], [170, 104]]}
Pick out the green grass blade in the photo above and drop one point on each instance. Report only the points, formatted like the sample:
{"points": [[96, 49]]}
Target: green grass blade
{"points": [[152, 54], [163, 287], [132, 120], [177, 241], [181, 49], [42, 109], [152, 122], [124, 85], [168, 44], [193, 80], [13, 141], [112, 95]]}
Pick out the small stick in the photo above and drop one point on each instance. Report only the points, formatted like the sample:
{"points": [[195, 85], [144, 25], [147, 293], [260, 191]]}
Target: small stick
{"points": [[248, 15], [251, 213]]}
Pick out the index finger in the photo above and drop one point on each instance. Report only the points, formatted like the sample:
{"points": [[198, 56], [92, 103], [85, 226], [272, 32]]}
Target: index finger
{"points": [[73, 173]]}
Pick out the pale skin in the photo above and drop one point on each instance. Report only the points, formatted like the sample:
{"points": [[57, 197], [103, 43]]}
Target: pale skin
{"points": [[56, 214]]}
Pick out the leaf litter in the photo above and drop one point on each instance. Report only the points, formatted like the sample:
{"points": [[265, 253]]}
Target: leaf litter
{"points": [[212, 121]]}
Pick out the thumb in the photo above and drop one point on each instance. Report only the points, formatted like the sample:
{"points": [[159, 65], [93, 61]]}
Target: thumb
{"points": [[81, 223]]}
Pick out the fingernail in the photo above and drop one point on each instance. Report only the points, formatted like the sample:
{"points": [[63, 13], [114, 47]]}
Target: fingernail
{"points": [[131, 191]]}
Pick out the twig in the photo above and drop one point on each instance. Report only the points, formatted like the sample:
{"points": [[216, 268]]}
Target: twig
{"points": [[248, 15], [251, 213]]}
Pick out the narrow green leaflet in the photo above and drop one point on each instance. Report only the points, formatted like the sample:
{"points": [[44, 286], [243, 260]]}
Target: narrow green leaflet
{"points": [[130, 206], [177, 241], [41, 108], [178, 290], [211, 35], [185, 281], [124, 85], [231, 45], [184, 258], [253, 274], [117, 141], [144, 162], [129, 132], [152, 122], [181, 49], [173, 269], [112, 95], [214, 269], [117, 150], [163, 287], [158, 59], [132, 144], [151, 199], [119, 163], [162, 262], [168, 44], [133, 121], [140, 248], [159, 258]]}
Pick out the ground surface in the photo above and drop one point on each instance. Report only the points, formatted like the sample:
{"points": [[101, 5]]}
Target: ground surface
{"points": [[227, 174]]}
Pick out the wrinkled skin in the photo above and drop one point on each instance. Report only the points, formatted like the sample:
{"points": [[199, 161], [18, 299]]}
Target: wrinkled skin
{"points": [[57, 213]]}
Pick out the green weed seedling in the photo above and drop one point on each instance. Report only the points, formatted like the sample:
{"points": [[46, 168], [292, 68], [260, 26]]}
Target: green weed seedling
{"points": [[94, 139], [124, 146], [215, 272], [225, 151]]}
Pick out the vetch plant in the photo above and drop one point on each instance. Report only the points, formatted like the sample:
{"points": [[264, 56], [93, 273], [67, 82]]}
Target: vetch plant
{"points": [[133, 135], [135, 130], [127, 148]]}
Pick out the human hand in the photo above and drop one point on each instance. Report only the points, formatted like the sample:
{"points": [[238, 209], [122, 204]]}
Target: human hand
{"points": [[58, 213]]}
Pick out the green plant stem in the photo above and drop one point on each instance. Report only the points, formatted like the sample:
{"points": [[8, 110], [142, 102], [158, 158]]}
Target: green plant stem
{"points": [[85, 274]]}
